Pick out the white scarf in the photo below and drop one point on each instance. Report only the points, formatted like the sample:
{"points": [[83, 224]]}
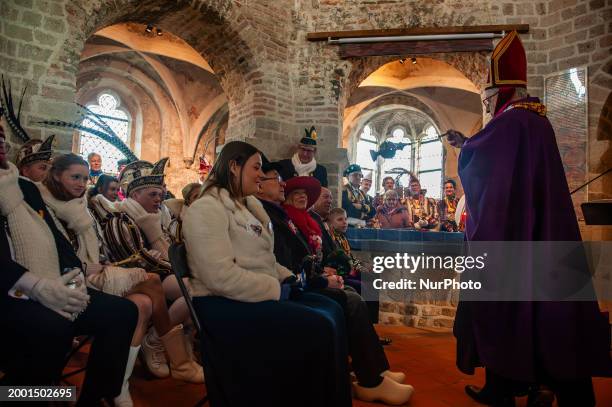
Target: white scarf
{"points": [[101, 205], [303, 169], [78, 219], [33, 241]]}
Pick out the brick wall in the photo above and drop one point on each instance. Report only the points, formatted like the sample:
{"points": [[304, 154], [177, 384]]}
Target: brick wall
{"points": [[276, 82]]}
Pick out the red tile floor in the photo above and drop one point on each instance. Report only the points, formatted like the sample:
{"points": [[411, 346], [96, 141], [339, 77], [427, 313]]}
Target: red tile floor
{"points": [[427, 356]]}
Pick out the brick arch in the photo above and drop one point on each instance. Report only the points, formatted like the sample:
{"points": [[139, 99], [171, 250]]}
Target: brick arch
{"points": [[473, 65], [393, 99], [214, 28]]}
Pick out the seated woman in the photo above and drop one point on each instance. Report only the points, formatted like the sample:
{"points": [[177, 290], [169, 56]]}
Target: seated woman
{"points": [[391, 214], [45, 303], [374, 379], [107, 186], [260, 348], [63, 191]]}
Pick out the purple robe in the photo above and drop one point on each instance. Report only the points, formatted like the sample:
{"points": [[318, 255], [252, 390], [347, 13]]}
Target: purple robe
{"points": [[516, 190]]}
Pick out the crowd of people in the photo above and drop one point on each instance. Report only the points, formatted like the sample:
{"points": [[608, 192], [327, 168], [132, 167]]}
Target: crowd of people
{"points": [[273, 280], [397, 207], [263, 252]]}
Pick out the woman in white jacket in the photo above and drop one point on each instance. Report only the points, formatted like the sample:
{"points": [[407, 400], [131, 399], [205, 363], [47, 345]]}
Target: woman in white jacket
{"points": [[259, 347], [63, 191]]}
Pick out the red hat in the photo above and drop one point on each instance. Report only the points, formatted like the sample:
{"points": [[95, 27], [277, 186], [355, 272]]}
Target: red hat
{"points": [[310, 184], [508, 63]]}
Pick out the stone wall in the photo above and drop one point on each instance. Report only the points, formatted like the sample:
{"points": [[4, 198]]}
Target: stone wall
{"points": [[438, 315], [276, 82]]}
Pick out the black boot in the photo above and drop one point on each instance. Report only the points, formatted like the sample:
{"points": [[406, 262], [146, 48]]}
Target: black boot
{"points": [[483, 397], [540, 397]]}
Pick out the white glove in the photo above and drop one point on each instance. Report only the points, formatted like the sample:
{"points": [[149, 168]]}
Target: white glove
{"points": [[56, 295]]}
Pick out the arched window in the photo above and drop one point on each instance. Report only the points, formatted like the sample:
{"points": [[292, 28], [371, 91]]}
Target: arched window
{"points": [[430, 162], [403, 158], [367, 142], [422, 155], [108, 108]]}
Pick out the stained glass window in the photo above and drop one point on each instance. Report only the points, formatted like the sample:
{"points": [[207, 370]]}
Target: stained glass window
{"points": [[108, 108]]}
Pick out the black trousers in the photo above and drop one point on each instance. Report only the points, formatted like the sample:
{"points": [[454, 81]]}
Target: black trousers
{"points": [[36, 340], [274, 353], [569, 393], [368, 356], [364, 287]]}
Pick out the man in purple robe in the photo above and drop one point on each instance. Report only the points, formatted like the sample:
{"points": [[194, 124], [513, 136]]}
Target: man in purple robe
{"points": [[514, 162]]}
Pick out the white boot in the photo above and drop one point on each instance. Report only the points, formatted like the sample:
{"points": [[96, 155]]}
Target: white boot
{"points": [[124, 399], [388, 392], [397, 377], [154, 355]]}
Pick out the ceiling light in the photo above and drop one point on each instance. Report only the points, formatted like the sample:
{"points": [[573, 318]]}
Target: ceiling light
{"points": [[159, 32], [414, 61], [149, 28]]}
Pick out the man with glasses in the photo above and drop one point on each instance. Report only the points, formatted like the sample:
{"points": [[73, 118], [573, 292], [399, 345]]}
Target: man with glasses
{"points": [[303, 162], [514, 162]]}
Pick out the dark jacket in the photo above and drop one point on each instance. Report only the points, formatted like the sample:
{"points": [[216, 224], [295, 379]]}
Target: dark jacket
{"points": [[290, 247], [328, 242], [288, 171], [367, 210]]}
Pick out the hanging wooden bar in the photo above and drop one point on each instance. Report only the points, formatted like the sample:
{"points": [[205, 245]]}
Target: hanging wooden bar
{"points": [[414, 47], [475, 29]]}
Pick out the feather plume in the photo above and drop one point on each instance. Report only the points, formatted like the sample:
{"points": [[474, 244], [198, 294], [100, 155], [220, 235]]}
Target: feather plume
{"points": [[109, 138], [7, 110]]}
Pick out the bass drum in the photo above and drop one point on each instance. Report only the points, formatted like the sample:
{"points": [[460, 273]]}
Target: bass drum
{"points": [[126, 246]]}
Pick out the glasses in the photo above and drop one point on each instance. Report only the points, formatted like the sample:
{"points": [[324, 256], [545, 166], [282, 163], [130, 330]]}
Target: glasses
{"points": [[277, 178], [487, 100]]}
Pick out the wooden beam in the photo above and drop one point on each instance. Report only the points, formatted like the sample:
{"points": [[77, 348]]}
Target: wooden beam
{"points": [[414, 47], [323, 36]]}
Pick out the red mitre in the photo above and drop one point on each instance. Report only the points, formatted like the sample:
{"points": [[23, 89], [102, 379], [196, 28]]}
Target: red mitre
{"points": [[508, 63]]}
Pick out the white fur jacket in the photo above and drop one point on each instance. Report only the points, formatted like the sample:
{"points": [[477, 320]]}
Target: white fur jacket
{"points": [[230, 249]]}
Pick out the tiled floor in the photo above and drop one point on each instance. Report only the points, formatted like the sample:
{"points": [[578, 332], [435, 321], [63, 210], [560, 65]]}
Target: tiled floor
{"points": [[426, 356]]}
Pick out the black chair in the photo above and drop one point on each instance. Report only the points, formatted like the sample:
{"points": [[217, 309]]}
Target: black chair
{"points": [[178, 258], [80, 342]]}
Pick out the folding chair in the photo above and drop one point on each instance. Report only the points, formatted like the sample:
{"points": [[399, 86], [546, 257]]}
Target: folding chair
{"points": [[178, 258], [81, 341]]}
